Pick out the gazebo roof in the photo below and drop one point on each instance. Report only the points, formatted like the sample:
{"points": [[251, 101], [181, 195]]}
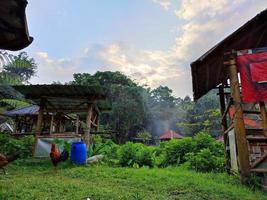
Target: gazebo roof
{"points": [[170, 135], [13, 25], [65, 97], [208, 71]]}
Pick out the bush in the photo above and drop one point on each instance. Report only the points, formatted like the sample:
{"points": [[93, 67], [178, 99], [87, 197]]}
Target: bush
{"points": [[133, 154], [205, 161], [23, 146], [175, 150]]}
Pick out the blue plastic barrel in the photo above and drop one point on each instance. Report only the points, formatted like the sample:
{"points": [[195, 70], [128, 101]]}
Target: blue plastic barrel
{"points": [[78, 153]]}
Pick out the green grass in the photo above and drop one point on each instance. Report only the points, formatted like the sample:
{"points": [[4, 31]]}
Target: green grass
{"points": [[34, 179]]}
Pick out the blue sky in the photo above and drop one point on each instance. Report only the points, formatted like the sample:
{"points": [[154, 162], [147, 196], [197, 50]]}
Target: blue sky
{"points": [[152, 41]]}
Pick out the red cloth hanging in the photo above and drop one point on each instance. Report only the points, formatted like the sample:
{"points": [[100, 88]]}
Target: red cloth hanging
{"points": [[253, 74]]}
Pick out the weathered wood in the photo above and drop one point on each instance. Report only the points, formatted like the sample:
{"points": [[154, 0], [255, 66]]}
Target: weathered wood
{"points": [[88, 125], [51, 124], [98, 123], [224, 127], [225, 112], [77, 124], [229, 129], [240, 131], [264, 118]]}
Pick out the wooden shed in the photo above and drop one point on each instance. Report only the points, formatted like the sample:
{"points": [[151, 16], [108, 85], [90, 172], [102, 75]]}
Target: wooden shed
{"points": [[245, 147], [60, 101]]}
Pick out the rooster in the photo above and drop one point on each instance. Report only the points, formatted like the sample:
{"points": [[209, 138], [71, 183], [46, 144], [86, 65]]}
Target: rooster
{"points": [[6, 159], [57, 157]]}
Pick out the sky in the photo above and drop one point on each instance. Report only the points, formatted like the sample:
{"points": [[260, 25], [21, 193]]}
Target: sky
{"points": [[151, 41]]}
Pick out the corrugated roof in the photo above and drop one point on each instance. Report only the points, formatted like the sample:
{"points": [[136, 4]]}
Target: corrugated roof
{"points": [[66, 97], [13, 25], [29, 110], [208, 71]]}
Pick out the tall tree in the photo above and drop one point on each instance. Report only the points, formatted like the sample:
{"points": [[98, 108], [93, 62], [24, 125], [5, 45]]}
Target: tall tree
{"points": [[128, 109], [19, 70]]}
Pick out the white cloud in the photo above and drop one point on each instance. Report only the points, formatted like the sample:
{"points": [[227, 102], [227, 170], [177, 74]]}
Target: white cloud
{"points": [[50, 70], [164, 3], [147, 67]]}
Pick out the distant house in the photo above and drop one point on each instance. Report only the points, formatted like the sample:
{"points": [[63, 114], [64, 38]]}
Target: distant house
{"points": [[170, 134]]}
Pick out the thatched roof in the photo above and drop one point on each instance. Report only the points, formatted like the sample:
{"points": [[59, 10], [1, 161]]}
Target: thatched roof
{"points": [[208, 71], [13, 25]]}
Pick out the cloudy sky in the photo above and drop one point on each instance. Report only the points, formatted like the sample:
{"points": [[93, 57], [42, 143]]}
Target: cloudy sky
{"points": [[152, 41]]}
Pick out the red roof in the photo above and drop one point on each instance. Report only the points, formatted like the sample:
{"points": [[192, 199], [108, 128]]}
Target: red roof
{"points": [[170, 135]]}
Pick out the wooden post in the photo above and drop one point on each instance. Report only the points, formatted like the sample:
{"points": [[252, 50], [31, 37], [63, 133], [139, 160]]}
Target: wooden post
{"points": [[51, 124], [88, 125], [239, 126], [39, 125], [77, 125], [97, 122], [264, 118], [224, 128]]}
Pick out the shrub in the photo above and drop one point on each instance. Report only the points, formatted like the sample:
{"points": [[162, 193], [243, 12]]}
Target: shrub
{"points": [[205, 161], [10, 145], [175, 150], [131, 154]]}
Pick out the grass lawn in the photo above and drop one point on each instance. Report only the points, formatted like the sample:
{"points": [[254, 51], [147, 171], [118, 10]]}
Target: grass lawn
{"points": [[33, 179]]}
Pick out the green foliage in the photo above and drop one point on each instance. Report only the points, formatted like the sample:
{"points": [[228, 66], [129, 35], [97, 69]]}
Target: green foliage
{"points": [[14, 103], [105, 147], [205, 161], [21, 69], [128, 113], [144, 135], [204, 114], [175, 150], [133, 154], [201, 153], [23, 146]]}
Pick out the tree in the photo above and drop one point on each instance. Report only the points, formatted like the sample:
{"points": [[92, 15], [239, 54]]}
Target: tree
{"points": [[17, 70], [201, 115], [20, 70], [128, 113]]}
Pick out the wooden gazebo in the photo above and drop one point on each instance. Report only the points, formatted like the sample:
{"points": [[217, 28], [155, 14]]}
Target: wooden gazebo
{"points": [[216, 69], [61, 100]]}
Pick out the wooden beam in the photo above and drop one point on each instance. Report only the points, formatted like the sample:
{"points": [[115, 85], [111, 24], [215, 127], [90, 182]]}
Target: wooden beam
{"points": [[240, 131], [224, 127], [88, 125], [264, 118]]}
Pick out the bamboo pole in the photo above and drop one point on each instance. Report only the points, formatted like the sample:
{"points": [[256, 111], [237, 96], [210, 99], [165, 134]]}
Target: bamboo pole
{"points": [[264, 117], [240, 131], [88, 125], [224, 128]]}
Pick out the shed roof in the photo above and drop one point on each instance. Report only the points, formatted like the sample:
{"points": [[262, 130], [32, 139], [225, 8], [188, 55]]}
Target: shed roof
{"points": [[13, 25], [65, 97], [170, 135], [29, 110], [208, 71]]}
